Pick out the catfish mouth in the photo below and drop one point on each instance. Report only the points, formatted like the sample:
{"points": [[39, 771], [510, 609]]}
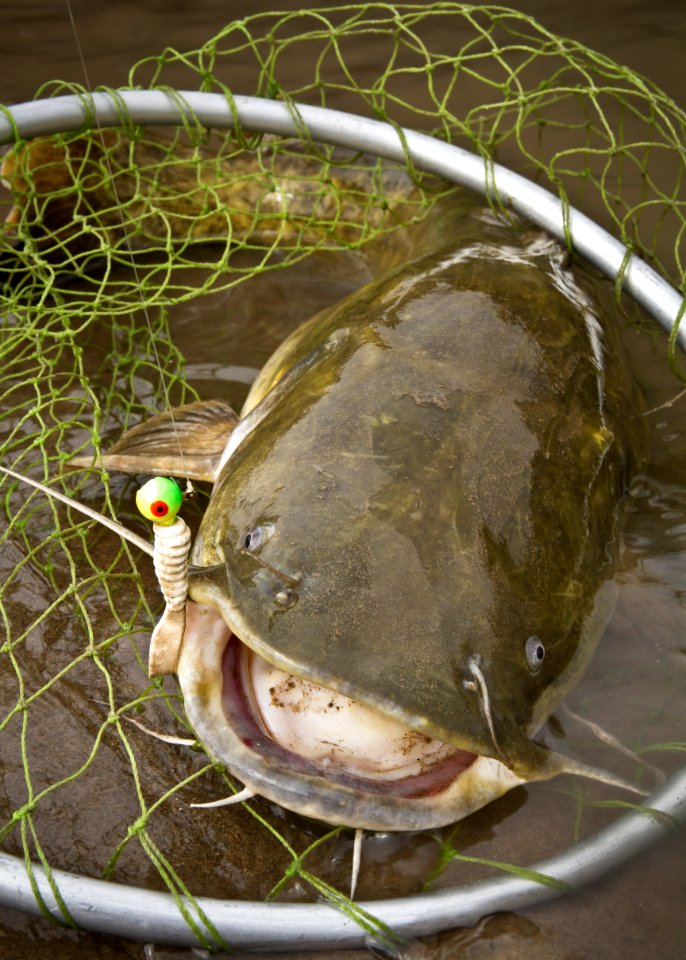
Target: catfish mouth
{"points": [[288, 739], [317, 732]]}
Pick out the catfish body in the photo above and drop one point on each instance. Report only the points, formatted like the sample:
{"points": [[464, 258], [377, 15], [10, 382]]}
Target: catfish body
{"points": [[406, 559], [425, 487]]}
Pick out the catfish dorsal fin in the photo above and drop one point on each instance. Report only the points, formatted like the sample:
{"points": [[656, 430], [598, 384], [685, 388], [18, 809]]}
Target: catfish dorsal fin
{"points": [[186, 441]]}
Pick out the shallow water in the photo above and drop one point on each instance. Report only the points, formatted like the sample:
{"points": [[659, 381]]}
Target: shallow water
{"points": [[636, 683]]}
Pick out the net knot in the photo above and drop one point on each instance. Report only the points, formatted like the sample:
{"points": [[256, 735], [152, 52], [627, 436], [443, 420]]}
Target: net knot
{"points": [[138, 826], [294, 868], [24, 811]]}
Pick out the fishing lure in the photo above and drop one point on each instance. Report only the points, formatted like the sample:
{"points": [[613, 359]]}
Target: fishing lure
{"points": [[160, 500]]}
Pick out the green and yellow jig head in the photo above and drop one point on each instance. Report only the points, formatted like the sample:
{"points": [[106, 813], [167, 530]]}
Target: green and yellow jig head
{"points": [[160, 500]]}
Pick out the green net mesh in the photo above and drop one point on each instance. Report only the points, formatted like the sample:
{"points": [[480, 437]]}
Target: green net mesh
{"points": [[113, 244]]}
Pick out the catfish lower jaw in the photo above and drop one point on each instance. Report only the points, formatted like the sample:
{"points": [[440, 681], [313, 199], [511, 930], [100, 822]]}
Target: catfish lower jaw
{"points": [[214, 671]]}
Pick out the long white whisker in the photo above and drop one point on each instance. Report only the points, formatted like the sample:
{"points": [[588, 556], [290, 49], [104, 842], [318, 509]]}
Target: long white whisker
{"points": [[82, 508], [357, 860], [164, 737], [245, 794], [480, 680]]}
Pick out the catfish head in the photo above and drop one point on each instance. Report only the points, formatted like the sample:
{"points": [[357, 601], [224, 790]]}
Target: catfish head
{"points": [[406, 559]]}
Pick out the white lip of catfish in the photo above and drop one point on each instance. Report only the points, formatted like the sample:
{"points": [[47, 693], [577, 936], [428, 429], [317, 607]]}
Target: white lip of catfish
{"points": [[213, 671]]}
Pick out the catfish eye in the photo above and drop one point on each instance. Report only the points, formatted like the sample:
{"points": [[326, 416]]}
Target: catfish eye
{"points": [[535, 652], [258, 536]]}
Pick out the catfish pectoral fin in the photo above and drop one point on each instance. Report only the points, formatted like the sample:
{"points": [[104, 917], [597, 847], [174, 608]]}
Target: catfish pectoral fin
{"points": [[544, 764], [186, 441]]}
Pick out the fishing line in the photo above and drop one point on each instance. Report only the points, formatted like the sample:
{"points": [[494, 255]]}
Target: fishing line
{"points": [[118, 528], [98, 125]]}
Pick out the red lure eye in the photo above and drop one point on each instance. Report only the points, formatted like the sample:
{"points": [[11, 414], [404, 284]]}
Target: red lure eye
{"points": [[159, 508]]}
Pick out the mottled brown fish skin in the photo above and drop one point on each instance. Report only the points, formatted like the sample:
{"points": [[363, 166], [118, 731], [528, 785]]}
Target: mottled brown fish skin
{"points": [[442, 476], [153, 192]]}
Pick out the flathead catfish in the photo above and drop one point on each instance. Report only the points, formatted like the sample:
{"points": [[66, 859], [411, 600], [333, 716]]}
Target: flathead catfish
{"points": [[406, 559]]}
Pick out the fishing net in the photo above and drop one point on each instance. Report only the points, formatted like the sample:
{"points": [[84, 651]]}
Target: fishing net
{"points": [[114, 245]]}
